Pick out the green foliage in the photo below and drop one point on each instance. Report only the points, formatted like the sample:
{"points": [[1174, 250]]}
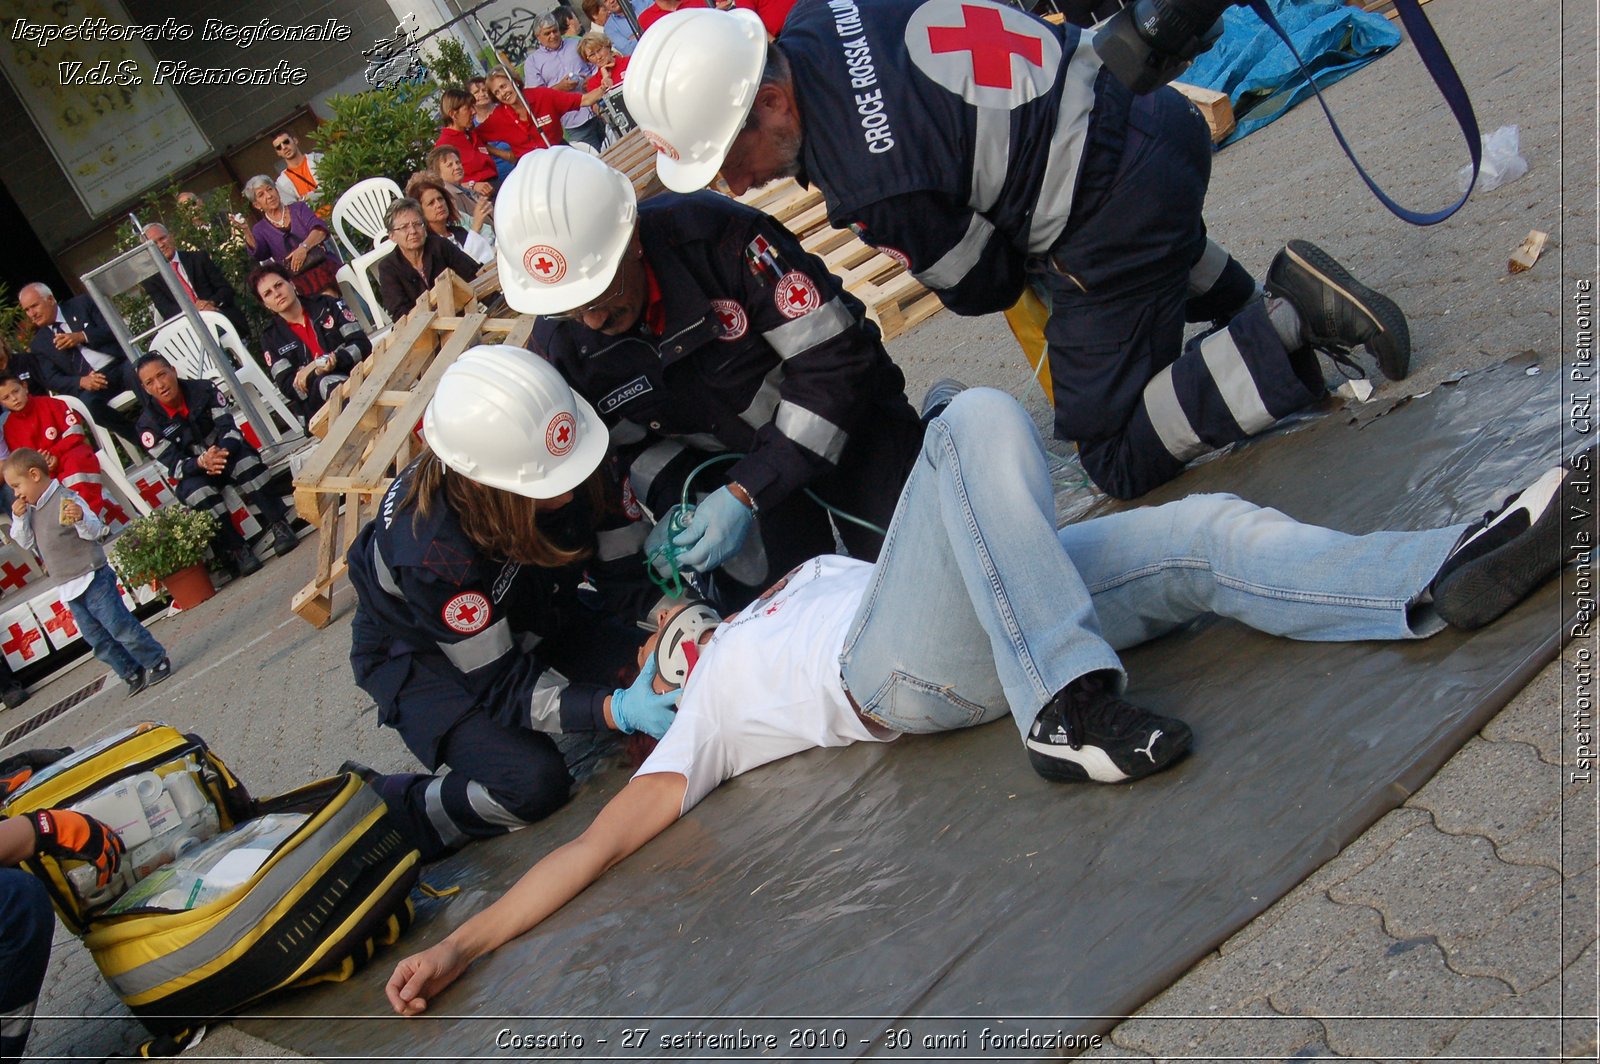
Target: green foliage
{"points": [[201, 226], [383, 132], [14, 325], [450, 64], [156, 546]]}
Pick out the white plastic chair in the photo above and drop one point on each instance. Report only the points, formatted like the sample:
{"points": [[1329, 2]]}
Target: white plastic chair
{"points": [[179, 345], [361, 208], [355, 274], [111, 466]]}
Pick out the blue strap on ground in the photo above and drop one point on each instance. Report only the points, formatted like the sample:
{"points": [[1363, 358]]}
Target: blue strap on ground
{"points": [[1351, 39]]}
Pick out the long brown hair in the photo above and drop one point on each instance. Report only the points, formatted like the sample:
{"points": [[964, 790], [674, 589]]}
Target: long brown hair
{"points": [[499, 523]]}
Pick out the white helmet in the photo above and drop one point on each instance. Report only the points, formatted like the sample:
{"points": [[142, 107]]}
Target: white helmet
{"points": [[691, 82], [562, 221], [505, 417]]}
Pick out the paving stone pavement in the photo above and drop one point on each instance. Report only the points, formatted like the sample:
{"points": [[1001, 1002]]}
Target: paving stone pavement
{"points": [[1459, 926]]}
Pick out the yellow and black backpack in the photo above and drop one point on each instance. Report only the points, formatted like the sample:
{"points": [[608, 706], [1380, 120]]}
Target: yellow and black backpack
{"points": [[332, 891]]}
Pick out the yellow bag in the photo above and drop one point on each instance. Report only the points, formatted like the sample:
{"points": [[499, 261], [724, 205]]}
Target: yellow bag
{"points": [[1027, 319]]}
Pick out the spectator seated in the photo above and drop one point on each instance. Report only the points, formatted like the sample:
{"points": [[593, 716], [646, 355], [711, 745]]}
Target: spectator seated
{"points": [[46, 424], [311, 344]]}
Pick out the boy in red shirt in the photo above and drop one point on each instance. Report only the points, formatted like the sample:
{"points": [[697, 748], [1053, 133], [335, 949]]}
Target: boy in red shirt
{"points": [[51, 427]]}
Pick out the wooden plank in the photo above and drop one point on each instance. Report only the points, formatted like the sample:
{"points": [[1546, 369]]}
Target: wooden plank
{"points": [[1214, 106], [1529, 251]]}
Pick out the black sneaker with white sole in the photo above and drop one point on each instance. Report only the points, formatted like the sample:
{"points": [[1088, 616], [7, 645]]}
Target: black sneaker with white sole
{"points": [[136, 683], [1087, 733], [1338, 312], [1500, 559], [159, 673]]}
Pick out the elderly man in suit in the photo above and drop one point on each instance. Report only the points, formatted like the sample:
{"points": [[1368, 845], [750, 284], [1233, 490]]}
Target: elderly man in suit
{"points": [[199, 276], [75, 353]]}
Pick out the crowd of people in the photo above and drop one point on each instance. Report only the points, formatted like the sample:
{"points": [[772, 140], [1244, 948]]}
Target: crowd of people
{"points": [[632, 525]]}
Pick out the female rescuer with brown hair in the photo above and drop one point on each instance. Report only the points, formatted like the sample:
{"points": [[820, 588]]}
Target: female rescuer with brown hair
{"points": [[471, 632]]}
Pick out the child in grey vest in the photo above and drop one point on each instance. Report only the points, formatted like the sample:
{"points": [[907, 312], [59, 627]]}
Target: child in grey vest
{"points": [[48, 518]]}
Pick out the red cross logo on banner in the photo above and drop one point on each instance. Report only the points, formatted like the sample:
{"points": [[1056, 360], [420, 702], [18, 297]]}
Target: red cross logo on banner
{"points": [[21, 641], [734, 321], [797, 295], [14, 575], [989, 54], [151, 492], [468, 612], [115, 514], [61, 620], [544, 263]]}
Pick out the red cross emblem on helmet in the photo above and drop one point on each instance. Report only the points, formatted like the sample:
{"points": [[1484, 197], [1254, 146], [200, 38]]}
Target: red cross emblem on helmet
{"points": [[735, 323], [561, 434], [797, 295], [544, 263], [990, 54], [467, 612]]}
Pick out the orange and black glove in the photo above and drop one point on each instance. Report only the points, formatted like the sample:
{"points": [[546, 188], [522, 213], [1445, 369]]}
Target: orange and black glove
{"points": [[18, 769], [66, 834]]}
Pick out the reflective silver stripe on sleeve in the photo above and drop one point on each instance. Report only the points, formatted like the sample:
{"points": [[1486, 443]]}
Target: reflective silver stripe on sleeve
{"points": [[812, 431], [807, 331], [651, 461], [1204, 274], [625, 432], [959, 260], [544, 707], [1169, 420], [991, 156], [765, 402], [380, 569], [1233, 380], [614, 543], [485, 648], [433, 803], [489, 810], [1060, 183], [526, 641]]}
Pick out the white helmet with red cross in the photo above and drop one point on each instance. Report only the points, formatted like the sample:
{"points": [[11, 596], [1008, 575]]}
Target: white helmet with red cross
{"points": [[691, 83], [562, 221], [505, 417]]}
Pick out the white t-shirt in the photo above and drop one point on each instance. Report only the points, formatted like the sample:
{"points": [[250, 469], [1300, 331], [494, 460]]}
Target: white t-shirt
{"points": [[767, 685]]}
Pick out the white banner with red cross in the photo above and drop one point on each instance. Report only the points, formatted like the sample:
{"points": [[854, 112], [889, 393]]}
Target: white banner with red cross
{"points": [[22, 638], [149, 482], [55, 619], [18, 568]]}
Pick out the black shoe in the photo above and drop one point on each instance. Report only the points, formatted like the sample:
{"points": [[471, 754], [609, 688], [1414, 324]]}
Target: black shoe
{"points": [[283, 539], [1337, 311], [1088, 733], [938, 396], [1500, 559], [136, 683], [162, 670], [245, 562]]}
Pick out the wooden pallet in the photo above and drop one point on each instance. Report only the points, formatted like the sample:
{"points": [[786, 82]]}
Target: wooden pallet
{"points": [[894, 299], [636, 157], [1214, 106], [368, 427]]}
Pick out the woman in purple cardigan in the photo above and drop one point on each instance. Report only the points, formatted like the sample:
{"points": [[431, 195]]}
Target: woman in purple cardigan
{"points": [[293, 237]]}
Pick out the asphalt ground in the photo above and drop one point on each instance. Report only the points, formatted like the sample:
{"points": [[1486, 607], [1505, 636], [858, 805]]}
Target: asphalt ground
{"points": [[1460, 926]]}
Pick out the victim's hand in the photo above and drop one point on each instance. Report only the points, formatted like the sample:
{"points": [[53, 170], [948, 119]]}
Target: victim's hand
{"points": [[422, 975]]}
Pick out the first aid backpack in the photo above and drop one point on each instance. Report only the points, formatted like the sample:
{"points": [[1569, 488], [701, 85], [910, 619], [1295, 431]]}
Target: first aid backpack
{"points": [[222, 898]]}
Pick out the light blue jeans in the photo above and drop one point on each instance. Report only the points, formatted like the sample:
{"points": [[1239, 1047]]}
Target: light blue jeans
{"points": [[978, 604], [113, 633]]}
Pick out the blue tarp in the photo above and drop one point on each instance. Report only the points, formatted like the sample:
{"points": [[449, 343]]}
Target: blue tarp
{"points": [[1257, 71]]}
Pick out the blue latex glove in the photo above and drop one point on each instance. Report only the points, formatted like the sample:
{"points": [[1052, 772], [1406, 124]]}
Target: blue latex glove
{"points": [[657, 540], [715, 533], [638, 708]]}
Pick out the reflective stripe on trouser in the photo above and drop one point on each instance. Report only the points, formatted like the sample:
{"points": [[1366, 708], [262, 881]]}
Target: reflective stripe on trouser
{"points": [[504, 778], [249, 477]]}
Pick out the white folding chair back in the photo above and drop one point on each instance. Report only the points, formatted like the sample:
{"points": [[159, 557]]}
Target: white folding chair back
{"points": [[177, 343], [110, 458], [355, 274], [360, 210]]}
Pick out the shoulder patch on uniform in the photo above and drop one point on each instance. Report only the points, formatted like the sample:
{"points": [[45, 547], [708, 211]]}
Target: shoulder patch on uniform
{"points": [[989, 54], [147, 438], [764, 260], [502, 583], [50, 433], [467, 612], [796, 295], [735, 323]]}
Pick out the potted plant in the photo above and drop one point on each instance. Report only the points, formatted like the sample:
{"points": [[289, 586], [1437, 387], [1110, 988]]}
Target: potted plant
{"points": [[168, 545]]}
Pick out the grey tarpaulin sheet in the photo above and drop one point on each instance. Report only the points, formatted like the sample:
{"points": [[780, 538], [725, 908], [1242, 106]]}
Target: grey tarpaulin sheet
{"points": [[938, 876]]}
